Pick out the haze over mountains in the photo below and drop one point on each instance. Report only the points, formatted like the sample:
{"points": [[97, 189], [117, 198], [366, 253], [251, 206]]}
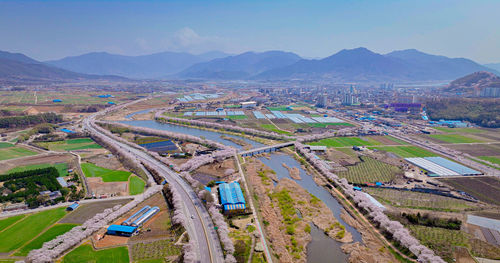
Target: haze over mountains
{"points": [[18, 68], [153, 66], [348, 65]]}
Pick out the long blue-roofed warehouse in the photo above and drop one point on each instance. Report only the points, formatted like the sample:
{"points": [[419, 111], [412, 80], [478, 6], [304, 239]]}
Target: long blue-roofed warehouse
{"points": [[119, 230], [231, 197]]}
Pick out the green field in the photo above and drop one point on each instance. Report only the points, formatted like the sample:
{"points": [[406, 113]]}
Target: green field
{"points": [[5, 145], [4, 223], [396, 140], [70, 145], [453, 138], [458, 130], [236, 117], [324, 125], [107, 175], [85, 254], [491, 159], [136, 185], [346, 142], [273, 128], [280, 108], [441, 240], [154, 251], [405, 151], [24, 230], [416, 200], [370, 170], [62, 168], [51, 233], [14, 152]]}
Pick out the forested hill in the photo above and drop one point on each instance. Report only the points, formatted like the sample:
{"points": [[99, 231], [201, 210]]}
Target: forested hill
{"points": [[485, 113]]}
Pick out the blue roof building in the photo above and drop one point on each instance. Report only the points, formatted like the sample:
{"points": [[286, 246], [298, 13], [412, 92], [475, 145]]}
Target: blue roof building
{"points": [[73, 206], [111, 103], [119, 230], [56, 100], [231, 196], [67, 130]]}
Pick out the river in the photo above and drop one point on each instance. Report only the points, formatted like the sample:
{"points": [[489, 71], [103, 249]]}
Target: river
{"points": [[318, 250]]}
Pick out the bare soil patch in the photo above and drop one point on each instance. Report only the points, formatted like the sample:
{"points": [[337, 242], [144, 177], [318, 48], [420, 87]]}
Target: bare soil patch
{"points": [[107, 188], [86, 211], [37, 159]]}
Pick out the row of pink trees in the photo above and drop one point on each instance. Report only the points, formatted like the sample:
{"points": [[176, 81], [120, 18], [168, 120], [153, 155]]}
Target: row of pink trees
{"points": [[396, 229], [52, 249]]}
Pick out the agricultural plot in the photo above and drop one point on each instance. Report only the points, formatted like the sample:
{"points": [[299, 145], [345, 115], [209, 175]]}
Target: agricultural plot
{"points": [[370, 170], [486, 189], [416, 200], [87, 211], [62, 168], [325, 125], [85, 253], [491, 159], [478, 149], [11, 152], [346, 142], [70, 145], [136, 185], [405, 151], [5, 145], [273, 128], [458, 130], [25, 230], [4, 223], [51, 233], [279, 108], [107, 175], [156, 250], [454, 138]]}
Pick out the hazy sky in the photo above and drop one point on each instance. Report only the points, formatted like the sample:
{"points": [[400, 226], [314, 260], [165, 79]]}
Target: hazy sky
{"points": [[54, 29]]}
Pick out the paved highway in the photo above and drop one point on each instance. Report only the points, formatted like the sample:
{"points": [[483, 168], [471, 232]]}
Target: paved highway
{"points": [[199, 224]]}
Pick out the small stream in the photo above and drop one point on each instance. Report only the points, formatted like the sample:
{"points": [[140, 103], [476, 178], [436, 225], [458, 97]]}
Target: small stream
{"points": [[322, 248]]}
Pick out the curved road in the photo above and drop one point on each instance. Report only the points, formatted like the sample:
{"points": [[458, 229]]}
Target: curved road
{"points": [[199, 224]]}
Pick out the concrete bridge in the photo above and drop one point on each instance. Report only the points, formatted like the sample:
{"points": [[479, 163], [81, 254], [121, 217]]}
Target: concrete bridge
{"points": [[264, 149]]}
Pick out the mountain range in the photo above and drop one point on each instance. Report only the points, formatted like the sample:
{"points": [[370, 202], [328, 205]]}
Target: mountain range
{"points": [[348, 65], [18, 68], [153, 66]]}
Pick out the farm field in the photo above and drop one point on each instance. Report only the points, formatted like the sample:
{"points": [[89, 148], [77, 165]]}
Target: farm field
{"points": [[443, 241], [62, 168], [405, 151], [4, 223], [346, 142], [416, 200], [370, 170], [478, 149], [486, 189], [237, 117], [458, 130], [273, 128], [5, 145], [87, 211], [107, 175], [491, 159], [11, 152], [279, 108], [154, 251], [136, 185], [324, 125], [71, 145], [24, 230], [454, 138], [51, 233], [85, 253]]}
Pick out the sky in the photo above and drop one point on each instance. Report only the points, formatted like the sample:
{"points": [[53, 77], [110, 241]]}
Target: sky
{"points": [[48, 30]]}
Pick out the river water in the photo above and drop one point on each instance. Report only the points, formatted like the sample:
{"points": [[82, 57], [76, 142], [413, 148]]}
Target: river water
{"points": [[137, 112], [322, 248]]}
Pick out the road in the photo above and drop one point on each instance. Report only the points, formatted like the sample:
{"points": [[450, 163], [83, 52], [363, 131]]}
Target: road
{"points": [[199, 224]]}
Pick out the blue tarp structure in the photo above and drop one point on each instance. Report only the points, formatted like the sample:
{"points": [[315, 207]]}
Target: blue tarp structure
{"points": [[162, 146], [67, 131], [231, 196], [56, 100], [111, 103]]}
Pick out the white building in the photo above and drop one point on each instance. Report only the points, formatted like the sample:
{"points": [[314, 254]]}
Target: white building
{"points": [[249, 104]]}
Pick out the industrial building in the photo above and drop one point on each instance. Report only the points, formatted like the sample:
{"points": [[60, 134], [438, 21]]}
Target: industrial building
{"points": [[118, 230], [438, 166], [231, 197], [248, 104]]}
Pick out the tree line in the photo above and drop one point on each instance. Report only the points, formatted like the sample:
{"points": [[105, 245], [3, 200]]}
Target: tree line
{"points": [[485, 113], [29, 120]]}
